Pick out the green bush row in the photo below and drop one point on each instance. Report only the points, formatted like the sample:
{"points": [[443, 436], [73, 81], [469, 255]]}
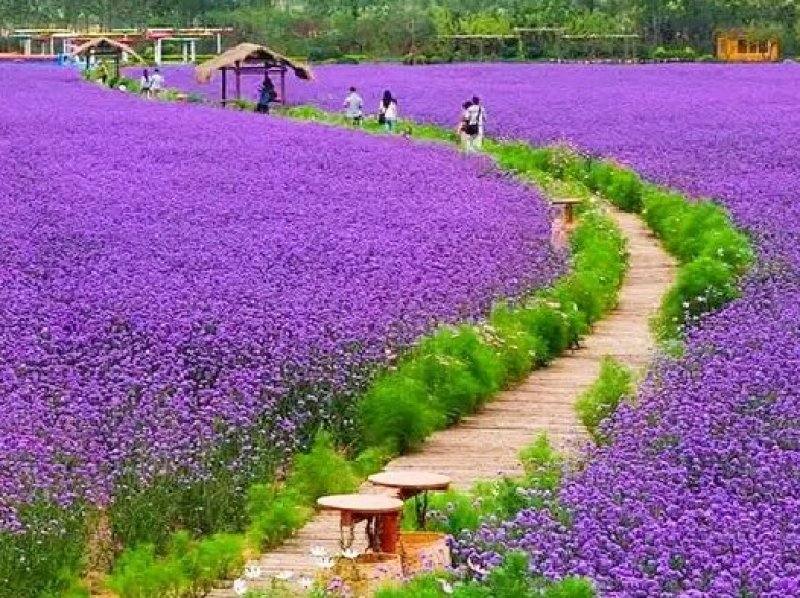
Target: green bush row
{"points": [[510, 580], [188, 567], [455, 371], [713, 254], [603, 397]]}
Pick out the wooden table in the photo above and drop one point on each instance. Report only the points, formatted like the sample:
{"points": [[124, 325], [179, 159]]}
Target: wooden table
{"points": [[569, 207], [413, 484], [381, 514]]}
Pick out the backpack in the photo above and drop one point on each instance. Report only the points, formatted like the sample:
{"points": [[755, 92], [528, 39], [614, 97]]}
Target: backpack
{"points": [[473, 128]]}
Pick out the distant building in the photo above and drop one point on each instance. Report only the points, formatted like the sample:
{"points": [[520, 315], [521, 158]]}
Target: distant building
{"points": [[738, 45]]}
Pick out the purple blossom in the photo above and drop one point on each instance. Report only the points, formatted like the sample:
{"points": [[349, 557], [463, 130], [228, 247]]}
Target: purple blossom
{"points": [[175, 277]]}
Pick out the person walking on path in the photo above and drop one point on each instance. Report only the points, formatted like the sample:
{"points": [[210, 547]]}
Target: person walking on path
{"points": [[144, 83], [354, 107], [156, 83], [474, 122], [462, 123], [476, 101], [387, 111], [266, 94]]}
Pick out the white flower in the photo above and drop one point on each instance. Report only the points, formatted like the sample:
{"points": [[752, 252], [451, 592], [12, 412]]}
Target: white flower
{"points": [[252, 571], [326, 562], [319, 551], [351, 553], [284, 576], [305, 582], [240, 587], [447, 587]]}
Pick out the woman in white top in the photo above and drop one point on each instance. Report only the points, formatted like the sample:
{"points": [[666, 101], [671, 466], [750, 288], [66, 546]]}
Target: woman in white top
{"points": [[156, 83], [474, 123], [387, 111]]}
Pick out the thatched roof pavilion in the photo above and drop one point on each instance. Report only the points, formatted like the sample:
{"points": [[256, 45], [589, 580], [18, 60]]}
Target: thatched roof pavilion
{"points": [[103, 47], [247, 59]]}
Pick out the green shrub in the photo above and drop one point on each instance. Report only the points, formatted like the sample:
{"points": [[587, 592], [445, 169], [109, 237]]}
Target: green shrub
{"points": [[664, 211], [321, 471], [547, 323], [131, 85], [397, 414], [585, 288], [519, 350], [542, 464], [189, 568], [575, 322], [703, 286], [275, 514], [204, 562], [45, 559], [520, 157], [692, 230], [450, 512], [728, 246], [322, 53], [698, 220], [602, 398], [624, 189], [370, 461], [570, 587], [598, 175], [138, 574], [425, 586], [511, 580], [458, 369]]}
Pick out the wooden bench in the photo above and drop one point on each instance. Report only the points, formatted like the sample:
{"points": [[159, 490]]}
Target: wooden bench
{"points": [[568, 203]]}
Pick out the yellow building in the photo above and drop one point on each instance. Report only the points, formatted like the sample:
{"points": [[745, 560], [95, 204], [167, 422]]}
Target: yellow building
{"points": [[739, 46]]}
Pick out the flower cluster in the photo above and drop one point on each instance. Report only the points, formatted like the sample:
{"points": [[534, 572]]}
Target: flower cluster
{"points": [[697, 494], [180, 284]]}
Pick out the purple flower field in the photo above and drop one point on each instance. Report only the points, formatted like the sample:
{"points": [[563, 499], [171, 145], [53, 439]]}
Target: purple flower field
{"points": [[135, 262], [710, 130], [170, 275], [697, 496]]}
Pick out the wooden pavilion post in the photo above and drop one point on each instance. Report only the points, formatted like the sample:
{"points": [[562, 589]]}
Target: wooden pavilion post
{"points": [[283, 85], [224, 86], [238, 81]]}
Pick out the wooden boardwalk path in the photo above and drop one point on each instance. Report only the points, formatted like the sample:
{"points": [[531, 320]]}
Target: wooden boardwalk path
{"points": [[486, 445]]}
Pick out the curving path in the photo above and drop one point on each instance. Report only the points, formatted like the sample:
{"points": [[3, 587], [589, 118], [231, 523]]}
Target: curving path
{"points": [[485, 445]]}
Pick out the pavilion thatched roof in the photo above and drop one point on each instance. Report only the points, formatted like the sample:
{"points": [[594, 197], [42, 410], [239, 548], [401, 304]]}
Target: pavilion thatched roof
{"points": [[85, 48], [249, 53]]}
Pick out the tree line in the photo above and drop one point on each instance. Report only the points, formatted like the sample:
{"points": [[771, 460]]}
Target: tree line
{"points": [[333, 28]]}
